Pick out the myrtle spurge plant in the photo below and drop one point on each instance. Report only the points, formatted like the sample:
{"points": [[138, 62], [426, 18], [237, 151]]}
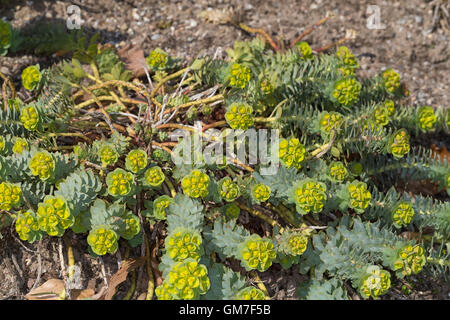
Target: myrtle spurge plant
{"points": [[42, 164], [10, 196], [291, 152], [239, 75], [402, 214], [375, 283], [93, 154], [261, 192], [426, 118], [154, 176], [391, 80], [239, 116], [346, 91], [196, 184]]}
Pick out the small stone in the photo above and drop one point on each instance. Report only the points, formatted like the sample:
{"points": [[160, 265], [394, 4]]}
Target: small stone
{"points": [[155, 37]]}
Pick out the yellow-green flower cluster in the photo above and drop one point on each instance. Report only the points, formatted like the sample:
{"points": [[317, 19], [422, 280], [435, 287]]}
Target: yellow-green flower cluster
{"points": [[182, 244], [132, 227], [310, 196], [108, 155], [305, 50], [154, 176], [359, 196], [297, 243], [2, 144], [159, 206], [10, 196], [5, 37], [103, 240], [391, 80], [240, 75], [266, 86], [291, 152], [250, 293], [232, 211], [196, 184], [375, 283], [136, 160], [402, 214], [54, 216], [31, 76], [399, 143], [329, 120], [239, 116], [257, 253], [228, 189], [346, 56], [42, 164], [337, 171], [20, 144], [29, 116], [261, 192], [389, 104], [346, 91], [410, 259], [119, 182], [426, 119], [381, 116], [26, 225], [187, 280], [157, 59]]}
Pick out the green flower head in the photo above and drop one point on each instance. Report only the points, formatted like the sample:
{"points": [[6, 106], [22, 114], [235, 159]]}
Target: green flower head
{"points": [[42, 164], [20, 144], [402, 214], [239, 116], [329, 120], [154, 176], [305, 50], [391, 80], [160, 205], [2, 144], [182, 244], [359, 196], [239, 75], [187, 280], [426, 119], [136, 160], [108, 155], [346, 91], [410, 260], [310, 196], [389, 104], [261, 192], [232, 211], [296, 244], [399, 143], [228, 189], [347, 57], [250, 293], [10, 196], [266, 86], [54, 216], [157, 59], [375, 283], [120, 182], [29, 116], [31, 76], [256, 253], [291, 153], [381, 116], [27, 226], [337, 171], [103, 240], [196, 184]]}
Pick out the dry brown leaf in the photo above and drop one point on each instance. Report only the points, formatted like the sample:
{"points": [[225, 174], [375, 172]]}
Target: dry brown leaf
{"points": [[443, 153], [134, 59], [81, 294], [52, 289], [121, 275]]}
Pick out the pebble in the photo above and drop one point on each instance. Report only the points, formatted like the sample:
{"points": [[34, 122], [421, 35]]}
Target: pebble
{"points": [[156, 36]]}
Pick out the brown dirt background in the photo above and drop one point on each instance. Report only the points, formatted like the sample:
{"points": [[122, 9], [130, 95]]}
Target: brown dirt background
{"points": [[410, 43]]}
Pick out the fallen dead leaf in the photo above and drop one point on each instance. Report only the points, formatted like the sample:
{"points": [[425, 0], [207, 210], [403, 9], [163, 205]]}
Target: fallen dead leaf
{"points": [[81, 294], [121, 275], [134, 59], [52, 289]]}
